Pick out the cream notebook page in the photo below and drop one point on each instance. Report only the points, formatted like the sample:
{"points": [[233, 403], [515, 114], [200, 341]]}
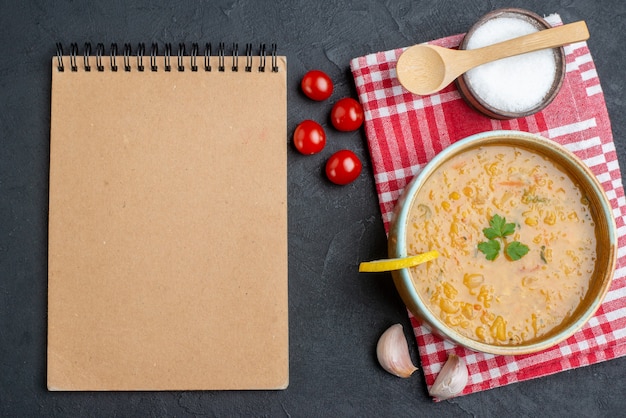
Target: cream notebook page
{"points": [[168, 225]]}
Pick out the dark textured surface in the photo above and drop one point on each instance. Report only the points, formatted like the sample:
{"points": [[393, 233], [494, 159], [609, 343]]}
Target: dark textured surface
{"points": [[336, 315]]}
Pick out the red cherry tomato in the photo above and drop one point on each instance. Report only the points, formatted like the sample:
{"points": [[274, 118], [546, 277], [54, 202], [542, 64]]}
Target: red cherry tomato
{"points": [[343, 167], [309, 137], [347, 115], [317, 85]]}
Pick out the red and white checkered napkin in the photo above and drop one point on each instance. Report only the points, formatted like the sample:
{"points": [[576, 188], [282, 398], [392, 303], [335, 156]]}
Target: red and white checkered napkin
{"points": [[404, 131]]}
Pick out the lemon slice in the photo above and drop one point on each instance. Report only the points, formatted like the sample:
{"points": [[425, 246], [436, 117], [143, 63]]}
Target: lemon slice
{"points": [[397, 263]]}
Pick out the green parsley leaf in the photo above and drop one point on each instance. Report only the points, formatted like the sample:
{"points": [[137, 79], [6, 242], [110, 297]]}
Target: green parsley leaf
{"points": [[490, 248], [507, 229], [497, 231], [498, 228], [515, 250], [495, 225], [491, 233]]}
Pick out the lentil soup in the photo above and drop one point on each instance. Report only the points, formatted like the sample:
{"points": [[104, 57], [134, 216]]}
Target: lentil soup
{"points": [[517, 242]]}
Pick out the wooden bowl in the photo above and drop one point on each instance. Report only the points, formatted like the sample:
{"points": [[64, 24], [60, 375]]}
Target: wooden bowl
{"points": [[604, 229], [468, 91]]}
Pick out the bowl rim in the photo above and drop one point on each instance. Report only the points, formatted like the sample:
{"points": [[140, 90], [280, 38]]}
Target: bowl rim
{"points": [[397, 243], [478, 103]]}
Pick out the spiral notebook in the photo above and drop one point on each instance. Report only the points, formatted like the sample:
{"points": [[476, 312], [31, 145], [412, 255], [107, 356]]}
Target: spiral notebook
{"points": [[168, 219]]}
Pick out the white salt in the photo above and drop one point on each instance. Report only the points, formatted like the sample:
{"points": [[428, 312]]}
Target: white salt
{"points": [[514, 84]]}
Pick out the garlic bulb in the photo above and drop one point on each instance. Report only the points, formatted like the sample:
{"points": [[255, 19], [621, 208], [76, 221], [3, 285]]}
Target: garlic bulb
{"points": [[392, 351], [451, 379]]}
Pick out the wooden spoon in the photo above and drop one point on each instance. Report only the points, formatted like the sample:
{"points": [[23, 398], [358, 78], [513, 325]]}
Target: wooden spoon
{"points": [[426, 69]]}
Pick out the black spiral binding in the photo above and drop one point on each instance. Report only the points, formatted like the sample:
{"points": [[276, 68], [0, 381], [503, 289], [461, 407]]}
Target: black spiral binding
{"points": [[99, 53], [220, 57], [181, 56], [86, 54], [141, 50], [167, 56], [248, 67], [194, 55], [113, 57], [127, 53], [73, 53], [153, 57]]}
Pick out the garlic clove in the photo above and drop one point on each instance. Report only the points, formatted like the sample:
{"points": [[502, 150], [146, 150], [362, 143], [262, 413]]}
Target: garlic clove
{"points": [[451, 380], [392, 351]]}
